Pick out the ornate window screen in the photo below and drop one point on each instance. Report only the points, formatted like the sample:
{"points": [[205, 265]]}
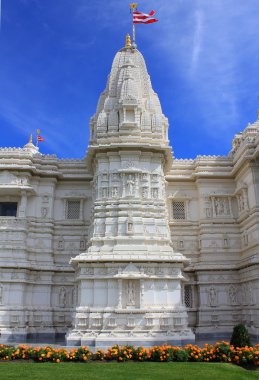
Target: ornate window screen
{"points": [[73, 210], [178, 208], [188, 296]]}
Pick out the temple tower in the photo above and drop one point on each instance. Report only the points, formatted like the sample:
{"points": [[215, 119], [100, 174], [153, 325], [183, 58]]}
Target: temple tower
{"points": [[129, 279]]}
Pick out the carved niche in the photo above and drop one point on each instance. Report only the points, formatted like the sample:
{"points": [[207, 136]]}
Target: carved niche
{"points": [[60, 244], [63, 297], [221, 206], [131, 293], [233, 295], [242, 198], [131, 185], [44, 212], [217, 205], [212, 296]]}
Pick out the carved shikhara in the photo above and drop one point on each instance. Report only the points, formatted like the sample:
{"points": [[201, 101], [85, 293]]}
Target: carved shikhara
{"points": [[160, 247]]}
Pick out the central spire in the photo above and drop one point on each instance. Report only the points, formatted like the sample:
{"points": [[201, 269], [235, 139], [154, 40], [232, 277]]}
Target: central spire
{"points": [[129, 109], [130, 278]]}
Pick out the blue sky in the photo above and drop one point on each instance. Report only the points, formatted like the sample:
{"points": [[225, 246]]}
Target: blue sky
{"points": [[202, 55]]}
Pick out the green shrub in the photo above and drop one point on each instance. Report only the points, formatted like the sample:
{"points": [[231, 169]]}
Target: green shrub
{"points": [[240, 337], [180, 355]]}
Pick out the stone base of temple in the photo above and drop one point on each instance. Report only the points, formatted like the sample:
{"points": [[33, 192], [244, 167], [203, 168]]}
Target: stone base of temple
{"points": [[137, 339], [32, 336]]}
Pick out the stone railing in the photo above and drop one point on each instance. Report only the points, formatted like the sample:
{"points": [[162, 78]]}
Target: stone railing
{"points": [[12, 222]]}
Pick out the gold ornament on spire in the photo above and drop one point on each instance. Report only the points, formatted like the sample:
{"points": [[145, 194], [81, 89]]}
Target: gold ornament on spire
{"points": [[30, 141], [128, 41], [133, 6]]}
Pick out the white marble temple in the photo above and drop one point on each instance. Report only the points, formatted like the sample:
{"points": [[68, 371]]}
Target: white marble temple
{"points": [[129, 244]]}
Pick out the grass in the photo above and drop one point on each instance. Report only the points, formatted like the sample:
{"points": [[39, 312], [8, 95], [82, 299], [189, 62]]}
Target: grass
{"points": [[124, 371]]}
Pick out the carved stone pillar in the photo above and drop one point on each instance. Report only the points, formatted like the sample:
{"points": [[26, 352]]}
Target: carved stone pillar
{"points": [[81, 209], [23, 205], [120, 295], [141, 293]]}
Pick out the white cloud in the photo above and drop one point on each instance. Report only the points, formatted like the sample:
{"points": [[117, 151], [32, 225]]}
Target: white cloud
{"points": [[197, 40]]}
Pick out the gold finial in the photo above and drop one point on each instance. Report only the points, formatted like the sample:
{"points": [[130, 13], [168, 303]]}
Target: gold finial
{"points": [[133, 6], [30, 141], [128, 41]]}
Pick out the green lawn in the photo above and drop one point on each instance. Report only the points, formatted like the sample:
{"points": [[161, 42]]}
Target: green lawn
{"points": [[122, 371]]}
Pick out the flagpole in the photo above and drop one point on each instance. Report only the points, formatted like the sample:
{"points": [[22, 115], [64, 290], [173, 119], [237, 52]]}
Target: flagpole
{"points": [[133, 35], [38, 133], [133, 8]]}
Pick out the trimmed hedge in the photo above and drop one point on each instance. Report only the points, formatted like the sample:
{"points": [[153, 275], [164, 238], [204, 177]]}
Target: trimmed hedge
{"points": [[222, 352]]}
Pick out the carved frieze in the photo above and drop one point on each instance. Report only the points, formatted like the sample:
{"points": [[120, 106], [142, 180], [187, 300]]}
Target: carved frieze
{"points": [[217, 205], [130, 182]]}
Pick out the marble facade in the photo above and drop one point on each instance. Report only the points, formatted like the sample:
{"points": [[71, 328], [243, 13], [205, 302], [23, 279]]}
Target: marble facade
{"points": [[129, 244]]}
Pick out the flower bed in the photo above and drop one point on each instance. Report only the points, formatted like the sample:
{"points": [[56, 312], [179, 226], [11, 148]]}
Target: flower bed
{"points": [[221, 352]]}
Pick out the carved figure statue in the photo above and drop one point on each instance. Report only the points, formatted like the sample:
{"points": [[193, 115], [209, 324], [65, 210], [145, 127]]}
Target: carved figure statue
{"points": [[130, 185], [62, 297], [130, 227], [155, 193], [221, 206], [208, 212], [115, 192], [217, 206], [131, 293], [44, 212], [212, 297], [104, 192], [144, 192]]}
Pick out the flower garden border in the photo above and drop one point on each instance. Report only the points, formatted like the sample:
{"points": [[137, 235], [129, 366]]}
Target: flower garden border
{"points": [[220, 352]]}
